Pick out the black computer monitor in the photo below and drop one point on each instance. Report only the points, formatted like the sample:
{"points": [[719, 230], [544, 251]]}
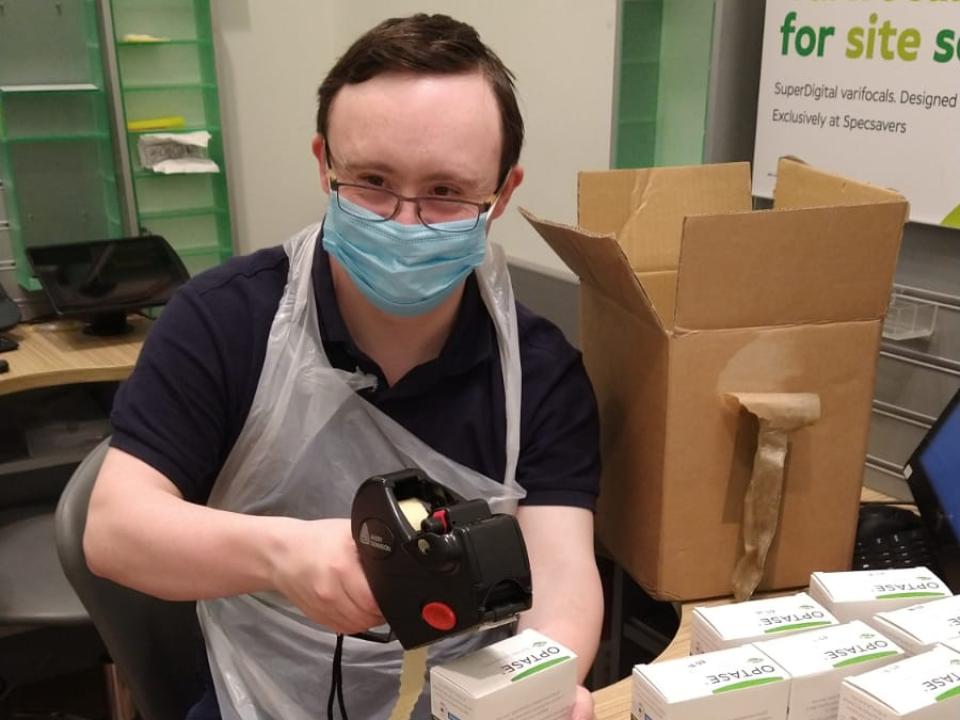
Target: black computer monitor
{"points": [[103, 280], [933, 473]]}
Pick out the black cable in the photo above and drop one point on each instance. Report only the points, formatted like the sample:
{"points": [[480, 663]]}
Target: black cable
{"points": [[343, 709], [336, 681], [333, 689]]}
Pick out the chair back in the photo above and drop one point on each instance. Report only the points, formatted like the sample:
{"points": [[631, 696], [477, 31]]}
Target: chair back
{"points": [[156, 645]]}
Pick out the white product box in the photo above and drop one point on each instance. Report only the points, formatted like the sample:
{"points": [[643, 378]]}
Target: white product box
{"points": [[919, 628], [725, 626], [953, 644], [527, 675], [732, 684], [923, 687], [861, 594], [819, 660]]}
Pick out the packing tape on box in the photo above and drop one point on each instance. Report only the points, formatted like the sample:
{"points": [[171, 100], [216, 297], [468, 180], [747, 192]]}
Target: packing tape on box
{"points": [[413, 671], [778, 415]]}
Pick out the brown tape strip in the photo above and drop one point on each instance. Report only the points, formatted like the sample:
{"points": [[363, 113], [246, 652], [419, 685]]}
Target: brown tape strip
{"points": [[778, 415], [413, 671]]}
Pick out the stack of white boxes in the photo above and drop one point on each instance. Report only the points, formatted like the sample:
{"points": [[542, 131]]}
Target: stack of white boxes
{"points": [[789, 658], [926, 687], [919, 628], [726, 626], [740, 682], [819, 661], [859, 595]]}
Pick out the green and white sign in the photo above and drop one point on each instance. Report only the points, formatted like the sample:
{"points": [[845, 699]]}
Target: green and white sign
{"points": [[866, 88]]}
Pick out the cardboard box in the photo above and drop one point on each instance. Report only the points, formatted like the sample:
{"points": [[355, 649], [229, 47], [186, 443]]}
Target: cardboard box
{"points": [[725, 626], [924, 687], [527, 675], [731, 684], [819, 660], [688, 297], [919, 628], [861, 594]]}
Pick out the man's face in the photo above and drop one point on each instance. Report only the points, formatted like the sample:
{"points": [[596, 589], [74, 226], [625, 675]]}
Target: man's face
{"points": [[418, 135]]}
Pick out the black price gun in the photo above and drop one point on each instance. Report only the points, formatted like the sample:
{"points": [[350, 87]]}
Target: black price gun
{"points": [[437, 564]]}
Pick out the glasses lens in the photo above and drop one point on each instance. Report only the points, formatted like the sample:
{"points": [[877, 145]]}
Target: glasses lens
{"points": [[376, 200], [435, 211]]}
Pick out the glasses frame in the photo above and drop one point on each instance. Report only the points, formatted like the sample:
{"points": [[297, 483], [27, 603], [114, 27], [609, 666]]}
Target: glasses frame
{"points": [[481, 206]]}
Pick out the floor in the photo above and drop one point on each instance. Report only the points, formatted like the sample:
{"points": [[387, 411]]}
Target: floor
{"points": [[75, 696], [53, 673]]}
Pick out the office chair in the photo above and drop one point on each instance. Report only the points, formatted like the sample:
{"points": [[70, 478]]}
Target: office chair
{"points": [[46, 630], [156, 645]]}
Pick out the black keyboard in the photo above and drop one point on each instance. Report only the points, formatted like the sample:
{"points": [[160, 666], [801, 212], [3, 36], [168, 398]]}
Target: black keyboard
{"points": [[902, 549]]}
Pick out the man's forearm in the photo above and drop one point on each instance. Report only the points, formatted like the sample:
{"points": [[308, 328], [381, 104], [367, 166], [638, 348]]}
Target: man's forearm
{"points": [[141, 533], [575, 621], [567, 596], [155, 542]]}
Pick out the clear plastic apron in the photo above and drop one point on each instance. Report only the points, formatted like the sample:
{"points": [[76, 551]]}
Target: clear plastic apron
{"points": [[307, 445]]}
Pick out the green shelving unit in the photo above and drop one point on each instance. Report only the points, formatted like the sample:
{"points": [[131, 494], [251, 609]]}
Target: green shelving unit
{"points": [[166, 67], [663, 82], [638, 82], [56, 142]]}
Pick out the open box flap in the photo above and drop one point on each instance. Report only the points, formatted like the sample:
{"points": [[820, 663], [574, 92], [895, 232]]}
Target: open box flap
{"points": [[788, 267], [801, 186], [645, 208], [597, 260]]}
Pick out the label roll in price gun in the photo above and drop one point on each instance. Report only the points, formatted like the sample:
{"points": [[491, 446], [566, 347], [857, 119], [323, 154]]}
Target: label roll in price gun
{"points": [[437, 564]]}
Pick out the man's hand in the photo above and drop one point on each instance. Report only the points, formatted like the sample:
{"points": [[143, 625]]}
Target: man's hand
{"points": [[582, 705], [130, 539], [318, 569]]}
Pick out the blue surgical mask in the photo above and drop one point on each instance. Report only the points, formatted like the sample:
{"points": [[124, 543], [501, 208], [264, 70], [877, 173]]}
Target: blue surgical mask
{"points": [[402, 269]]}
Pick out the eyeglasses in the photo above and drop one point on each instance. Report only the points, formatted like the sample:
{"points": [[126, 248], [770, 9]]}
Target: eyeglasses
{"points": [[431, 211]]}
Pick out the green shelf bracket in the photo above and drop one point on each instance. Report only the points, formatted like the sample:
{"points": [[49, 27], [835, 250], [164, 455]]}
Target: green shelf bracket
{"points": [[181, 213]]}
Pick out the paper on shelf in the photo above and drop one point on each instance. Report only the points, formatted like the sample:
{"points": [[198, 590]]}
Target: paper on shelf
{"points": [[170, 153], [186, 166]]}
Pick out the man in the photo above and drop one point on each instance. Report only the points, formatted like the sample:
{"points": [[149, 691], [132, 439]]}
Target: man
{"points": [[272, 386]]}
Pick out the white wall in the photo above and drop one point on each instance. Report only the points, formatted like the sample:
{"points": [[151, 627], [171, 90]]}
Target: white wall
{"points": [[271, 61]]}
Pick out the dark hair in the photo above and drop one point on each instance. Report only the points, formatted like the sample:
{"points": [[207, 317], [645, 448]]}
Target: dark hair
{"points": [[427, 44]]}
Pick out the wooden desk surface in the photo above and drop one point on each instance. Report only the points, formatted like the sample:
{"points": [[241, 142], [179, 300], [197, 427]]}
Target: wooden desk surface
{"points": [[613, 702], [59, 353]]}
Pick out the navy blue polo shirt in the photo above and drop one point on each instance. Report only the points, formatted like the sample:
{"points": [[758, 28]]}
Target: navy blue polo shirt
{"points": [[183, 407]]}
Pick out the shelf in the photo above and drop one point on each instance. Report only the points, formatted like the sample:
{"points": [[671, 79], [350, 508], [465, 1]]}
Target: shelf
{"points": [[187, 212], [46, 89], [160, 87], [162, 43], [78, 137], [44, 462], [188, 129], [148, 175]]}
